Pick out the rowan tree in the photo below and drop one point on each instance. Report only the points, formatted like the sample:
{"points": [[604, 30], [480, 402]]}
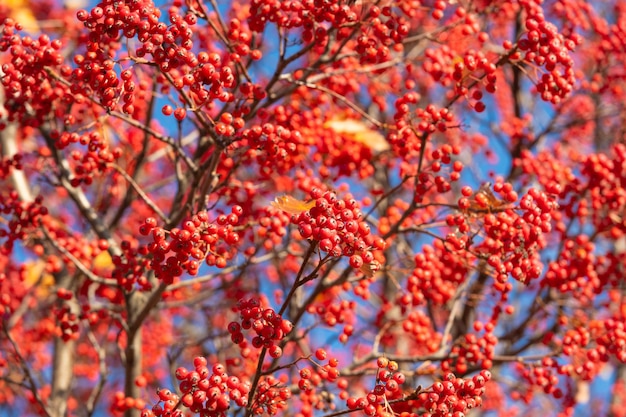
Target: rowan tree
{"points": [[313, 208]]}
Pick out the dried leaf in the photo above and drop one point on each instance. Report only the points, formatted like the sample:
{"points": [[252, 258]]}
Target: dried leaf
{"points": [[485, 199], [359, 132], [369, 269], [292, 205]]}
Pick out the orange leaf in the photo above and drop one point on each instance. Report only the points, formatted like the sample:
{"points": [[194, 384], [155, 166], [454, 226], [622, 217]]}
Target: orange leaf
{"points": [[292, 205]]}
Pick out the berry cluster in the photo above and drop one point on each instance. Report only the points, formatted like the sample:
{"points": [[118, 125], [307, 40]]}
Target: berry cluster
{"points": [[386, 29], [270, 327], [8, 164], [206, 391], [121, 403], [426, 340], [67, 321], [129, 268], [31, 93], [241, 42], [441, 156], [518, 237], [576, 270], [544, 46], [388, 386], [314, 385], [197, 240], [335, 223], [541, 376], [333, 311], [453, 396], [472, 351], [306, 14], [271, 396], [25, 217], [437, 275], [274, 147], [613, 339], [95, 160]]}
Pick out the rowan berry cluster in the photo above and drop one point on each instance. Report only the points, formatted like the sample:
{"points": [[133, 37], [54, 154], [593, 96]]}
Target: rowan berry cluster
{"points": [[206, 391], [426, 339], [306, 14], [517, 237], [95, 160], [541, 376], [544, 46], [31, 93], [8, 164], [612, 340], [24, 217], [67, 321], [388, 386], [122, 403], [337, 227], [334, 311], [575, 270], [472, 352], [437, 275], [314, 385], [241, 42], [386, 29], [436, 178], [453, 396], [605, 178], [431, 118], [273, 226], [129, 268], [270, 327], [274, 147], [198, 240], [271, 396]]}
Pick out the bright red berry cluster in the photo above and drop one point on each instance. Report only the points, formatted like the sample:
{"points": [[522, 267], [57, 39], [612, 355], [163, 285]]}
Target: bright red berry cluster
{"points": [[544, 46], [419, 326], [436, 275], [31, 93], [271, 396], [272, 146], [453, 396], [198, 240], [337, 227], [472, 352], [24, 217], [334, 311], [206, 391], [270, 327], [387, 29], [542, 376], [129, 268], [388, 386], [519, 237]]}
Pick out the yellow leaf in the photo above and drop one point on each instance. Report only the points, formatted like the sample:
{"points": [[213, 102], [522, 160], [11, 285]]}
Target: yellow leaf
{"points": [[33, 272], [35, 275], [359, 132], [292, 205], [103, 260], [22, 13]]}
